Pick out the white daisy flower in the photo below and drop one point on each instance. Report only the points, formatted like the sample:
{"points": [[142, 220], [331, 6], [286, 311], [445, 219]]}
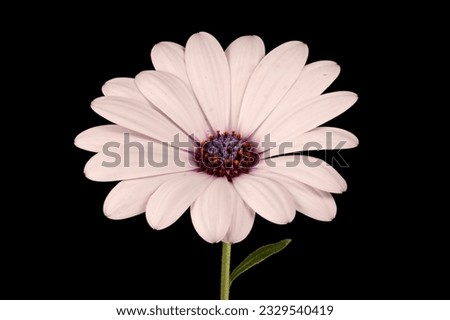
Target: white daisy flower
{"points": [[195, 133]]}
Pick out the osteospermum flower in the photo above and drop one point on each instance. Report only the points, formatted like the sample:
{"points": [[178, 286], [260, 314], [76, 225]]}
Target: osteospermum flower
{"points": [[195, 133]]}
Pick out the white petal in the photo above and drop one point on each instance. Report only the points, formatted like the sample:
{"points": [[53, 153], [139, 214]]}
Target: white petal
{"points": [[170, 95], [137, 159], [241, 223], [174, 197], [243, 56], [95, 138], [123, 87], [169, 57], [139, 117], [209, 74], [212, 212], [268, 198], [309, 170], [312, 202], [321, 138], [129, 198], [313, 81], [307, 116], [271, 80]]}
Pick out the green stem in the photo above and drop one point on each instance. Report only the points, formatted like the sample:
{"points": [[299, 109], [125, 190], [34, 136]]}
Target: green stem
{"points": [[225, 272]]}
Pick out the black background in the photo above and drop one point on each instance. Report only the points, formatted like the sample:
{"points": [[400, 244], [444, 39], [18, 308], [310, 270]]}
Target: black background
{"points": [[388, 240]]}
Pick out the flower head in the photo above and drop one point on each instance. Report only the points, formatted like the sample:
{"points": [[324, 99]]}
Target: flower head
{"points": [[215, 131]]}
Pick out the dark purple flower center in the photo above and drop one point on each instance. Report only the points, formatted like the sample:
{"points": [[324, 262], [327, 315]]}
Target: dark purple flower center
{"points": [[226, 155]]}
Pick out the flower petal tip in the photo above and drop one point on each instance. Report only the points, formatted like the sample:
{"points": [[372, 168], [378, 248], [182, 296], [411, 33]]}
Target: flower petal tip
{"points": [[152, 224], [355, 96], [341, 185], [110, 215], [97, 102], [76, 141]]}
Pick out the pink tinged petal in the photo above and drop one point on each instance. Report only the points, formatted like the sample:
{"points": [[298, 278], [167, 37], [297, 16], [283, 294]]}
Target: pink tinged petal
{"points": [[169, 57], [307, 116], [170, 95], [174, 197], [138, 116], [137, 159], [309, 170], [271, 80], [321, 138], [326, 138], [129, 198], [313, 80], [209, 74], [241, 222], [123, 87], [268, 198], [243, 56], [212, 212], [95, 138], [312, 202]]}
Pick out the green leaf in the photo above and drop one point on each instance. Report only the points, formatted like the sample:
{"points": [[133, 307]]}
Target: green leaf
{"points": [[258, 256]]}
